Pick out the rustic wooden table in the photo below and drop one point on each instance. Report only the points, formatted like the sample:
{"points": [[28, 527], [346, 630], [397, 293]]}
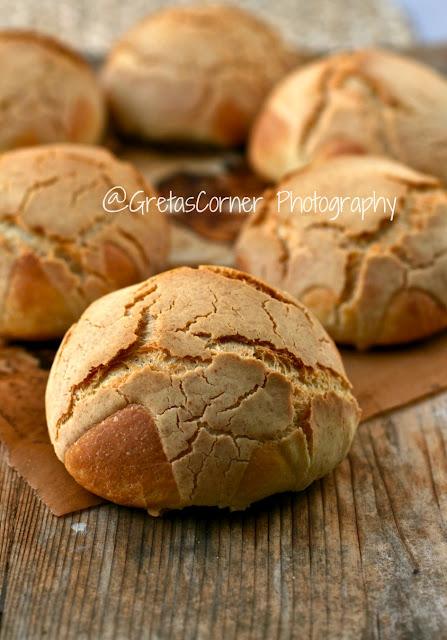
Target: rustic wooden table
{"points": [[360, 554]]}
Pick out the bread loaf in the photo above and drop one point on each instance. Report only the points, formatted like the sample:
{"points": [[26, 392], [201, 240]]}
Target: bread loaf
{"points": [[48, 93], [198, 387], [194, 74], [59, 248], [373, 281], [368, 101]]}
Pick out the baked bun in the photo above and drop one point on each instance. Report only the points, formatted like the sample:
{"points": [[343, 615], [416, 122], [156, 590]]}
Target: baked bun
{"points": [[366, 101], [372, 281], [198, 387], [59, 249], [47, 93], [196, 74]]}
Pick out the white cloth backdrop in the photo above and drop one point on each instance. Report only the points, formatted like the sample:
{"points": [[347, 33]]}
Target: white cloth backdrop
{"points": [[92, 25]]}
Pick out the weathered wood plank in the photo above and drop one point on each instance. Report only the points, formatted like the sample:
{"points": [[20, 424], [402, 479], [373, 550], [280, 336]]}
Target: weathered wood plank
{"points": [[360, 554], [10, 487]]}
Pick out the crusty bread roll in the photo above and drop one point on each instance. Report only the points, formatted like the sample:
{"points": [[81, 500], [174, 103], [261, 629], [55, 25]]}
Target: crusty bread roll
{"points": [[59, 249], [366, 101], [372, 281], [198, 387], [47, 93], [196, 74]]}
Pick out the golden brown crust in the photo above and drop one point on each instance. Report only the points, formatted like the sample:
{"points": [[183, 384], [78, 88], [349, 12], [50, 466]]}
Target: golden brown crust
{"points": [[368, 101], [48, 93], [195, 73], [417, 315], [235, 376], [31, 300], [59, 248], [370, 282], [122, 459]]}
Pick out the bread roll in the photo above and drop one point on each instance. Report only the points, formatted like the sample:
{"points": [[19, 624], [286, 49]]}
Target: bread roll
{"points": [[372, 281], [195, 74], [368, 101], [47, 93], [59, 249], [198, 387]]}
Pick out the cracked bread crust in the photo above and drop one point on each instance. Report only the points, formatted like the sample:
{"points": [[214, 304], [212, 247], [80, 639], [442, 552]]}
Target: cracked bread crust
{"points": [[196, 74], [368, 101], [374, 282], [59, 249], [48, 93], [198, 387]]}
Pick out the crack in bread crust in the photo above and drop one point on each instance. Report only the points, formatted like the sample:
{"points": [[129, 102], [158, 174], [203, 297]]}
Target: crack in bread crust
{"points": [[142, 349]]}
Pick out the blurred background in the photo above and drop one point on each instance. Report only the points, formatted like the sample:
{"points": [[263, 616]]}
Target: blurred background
{"points": [[428, 19], [91, 25]]}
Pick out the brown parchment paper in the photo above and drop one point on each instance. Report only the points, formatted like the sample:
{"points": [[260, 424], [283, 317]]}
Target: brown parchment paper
{"points": [[390, 378], [23, 431], [382, 380]]}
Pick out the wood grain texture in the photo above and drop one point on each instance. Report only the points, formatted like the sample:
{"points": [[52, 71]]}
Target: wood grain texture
{"points": [[360, 554]]}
